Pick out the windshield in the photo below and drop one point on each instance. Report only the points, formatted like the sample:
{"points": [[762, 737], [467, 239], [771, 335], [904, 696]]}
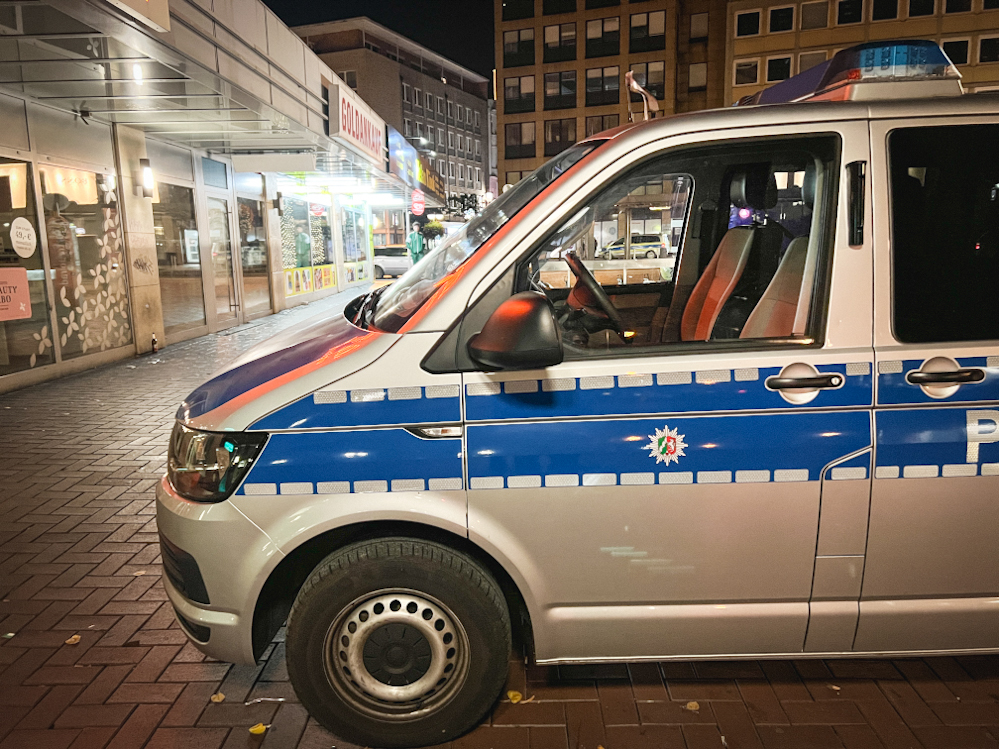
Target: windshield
{"points": [[402, 298]]}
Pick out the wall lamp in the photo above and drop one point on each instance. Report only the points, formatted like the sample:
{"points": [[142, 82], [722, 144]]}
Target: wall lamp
{"points": [[148, 183]]}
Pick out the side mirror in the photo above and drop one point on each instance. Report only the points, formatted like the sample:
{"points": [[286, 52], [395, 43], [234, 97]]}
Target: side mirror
{"points": [[520, 334]]}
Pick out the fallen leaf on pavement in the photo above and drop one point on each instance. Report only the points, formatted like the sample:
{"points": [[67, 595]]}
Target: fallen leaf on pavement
{"points": [[217, 697], [140, 573], [73, 640], [514, 697], [258, 729], [692, 706]]}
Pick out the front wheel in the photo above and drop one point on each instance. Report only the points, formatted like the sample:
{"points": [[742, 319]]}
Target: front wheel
{"points": [[398, 643], [379, 273]]}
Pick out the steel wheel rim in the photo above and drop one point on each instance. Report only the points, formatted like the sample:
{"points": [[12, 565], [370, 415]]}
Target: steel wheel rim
{"points": [[363, 639]]}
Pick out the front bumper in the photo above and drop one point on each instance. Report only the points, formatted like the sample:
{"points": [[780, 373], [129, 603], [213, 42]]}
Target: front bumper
{"points": [[233, 558]]}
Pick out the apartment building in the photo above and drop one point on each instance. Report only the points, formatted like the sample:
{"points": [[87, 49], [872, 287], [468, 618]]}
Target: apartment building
{"points": [[561, 67], [769, 41], [438, 105]]}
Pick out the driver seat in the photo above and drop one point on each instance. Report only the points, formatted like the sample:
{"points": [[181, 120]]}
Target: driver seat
{"points": [[754, 189]]}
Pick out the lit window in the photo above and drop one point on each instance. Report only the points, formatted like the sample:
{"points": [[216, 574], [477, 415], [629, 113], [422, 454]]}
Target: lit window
{"points": [[698, 26], [814, 15]]}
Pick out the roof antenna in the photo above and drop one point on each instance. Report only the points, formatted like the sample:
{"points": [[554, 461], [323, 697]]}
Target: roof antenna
{"points": [[648, 99]]}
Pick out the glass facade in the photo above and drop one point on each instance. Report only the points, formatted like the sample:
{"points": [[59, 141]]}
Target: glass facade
{"points": [[253, 256], [25, 326], [86, 258]]}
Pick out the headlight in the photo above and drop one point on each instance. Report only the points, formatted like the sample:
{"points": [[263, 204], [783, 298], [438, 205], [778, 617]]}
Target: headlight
{"points": [[208, 466]]}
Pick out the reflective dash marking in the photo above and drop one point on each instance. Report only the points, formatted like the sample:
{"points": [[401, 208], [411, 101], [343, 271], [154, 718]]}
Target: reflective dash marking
{"points": [[634, 381], [752, 477], [296, 487], [370, 486], [886, 472], [791, 474], [445, 485], [714, 477], [960, 469], [484, 388], [558, 385], [486, 482], [674, 378], [990, 469], [562, 479], [847, 473], [750, 374], [521, 386], [523, 482], [367, 396], [405, 394], [711, 376], [599, 479], [920, 472], [443, 391], [602, 382], [259, 489], [680, 477], [858, 368], [638, 479], [333, 487], [890, 367], [329, 396]]}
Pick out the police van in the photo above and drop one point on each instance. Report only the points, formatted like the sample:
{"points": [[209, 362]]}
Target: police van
{"points": [[785, 446]]}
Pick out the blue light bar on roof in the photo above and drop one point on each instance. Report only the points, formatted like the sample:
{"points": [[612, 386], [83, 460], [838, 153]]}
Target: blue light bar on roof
{"points": [[910, 60]]}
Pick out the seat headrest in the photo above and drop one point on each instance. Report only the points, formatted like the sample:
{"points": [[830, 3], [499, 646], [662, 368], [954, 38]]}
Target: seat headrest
{"points": [[808, 187], [754, 188]]}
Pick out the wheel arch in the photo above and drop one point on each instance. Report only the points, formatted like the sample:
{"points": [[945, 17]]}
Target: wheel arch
{"points": [[279, 590]]}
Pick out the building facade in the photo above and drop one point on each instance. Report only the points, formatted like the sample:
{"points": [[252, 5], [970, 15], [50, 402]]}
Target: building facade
{"points": [[771, 41], [171, 173], [561, 67], [438, 105]]}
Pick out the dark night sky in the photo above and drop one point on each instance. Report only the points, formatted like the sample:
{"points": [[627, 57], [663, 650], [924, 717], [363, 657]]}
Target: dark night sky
{"points": [[459, 29]]}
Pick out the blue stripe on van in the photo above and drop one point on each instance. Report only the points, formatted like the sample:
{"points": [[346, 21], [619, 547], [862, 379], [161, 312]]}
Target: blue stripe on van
{"points": [[757, 448], [360, 458], [704, 391], [894, 390]]}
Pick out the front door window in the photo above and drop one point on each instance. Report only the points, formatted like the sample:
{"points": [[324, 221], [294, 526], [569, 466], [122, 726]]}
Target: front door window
{"points": [[178, 254], [253, 256], [226, 300]]}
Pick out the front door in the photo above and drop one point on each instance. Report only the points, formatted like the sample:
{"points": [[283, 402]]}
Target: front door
{"points": [[659, 490], [932, 574], [225, 287]]}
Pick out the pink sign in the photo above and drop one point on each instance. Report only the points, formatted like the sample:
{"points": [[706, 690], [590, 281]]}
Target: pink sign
{"points": [[15, 301]]}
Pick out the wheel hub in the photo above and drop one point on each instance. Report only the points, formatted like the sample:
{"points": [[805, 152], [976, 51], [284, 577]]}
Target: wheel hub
{"points": [[396, 653]]}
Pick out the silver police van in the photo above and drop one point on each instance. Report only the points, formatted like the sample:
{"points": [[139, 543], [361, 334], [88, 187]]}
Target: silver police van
{"points": [[783, 441]]}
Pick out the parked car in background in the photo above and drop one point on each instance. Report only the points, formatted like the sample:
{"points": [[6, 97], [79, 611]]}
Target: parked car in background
{"points": [[392, 260], [642, 245]]}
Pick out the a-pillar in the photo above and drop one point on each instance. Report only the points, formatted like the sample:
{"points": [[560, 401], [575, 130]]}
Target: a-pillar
{"points": [[139, 240]]}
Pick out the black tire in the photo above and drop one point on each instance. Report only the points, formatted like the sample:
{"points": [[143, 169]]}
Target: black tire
{"points": [[651, 253], [379, 273], [442, 593]]}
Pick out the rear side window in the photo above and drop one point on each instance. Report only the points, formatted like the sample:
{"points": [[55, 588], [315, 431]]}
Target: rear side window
{"points": [[945, 233]]}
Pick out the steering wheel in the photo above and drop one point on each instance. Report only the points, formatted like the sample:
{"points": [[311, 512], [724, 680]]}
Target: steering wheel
{"points": [[592, 292]]}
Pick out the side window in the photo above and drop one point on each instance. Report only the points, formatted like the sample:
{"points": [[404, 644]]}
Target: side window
{"points": [[945, 233], [700, 245]]}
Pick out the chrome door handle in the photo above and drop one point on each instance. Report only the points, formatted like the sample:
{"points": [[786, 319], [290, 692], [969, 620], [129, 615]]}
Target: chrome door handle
{"points": [[953, 377], [833, 380]]}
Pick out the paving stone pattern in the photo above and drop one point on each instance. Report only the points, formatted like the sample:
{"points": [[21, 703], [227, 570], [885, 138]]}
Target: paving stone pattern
{"points": [[79, 458]]}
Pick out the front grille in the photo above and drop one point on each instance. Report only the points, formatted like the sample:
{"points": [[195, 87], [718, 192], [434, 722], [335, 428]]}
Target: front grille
{"points": [[182, 570], [199, 632]]}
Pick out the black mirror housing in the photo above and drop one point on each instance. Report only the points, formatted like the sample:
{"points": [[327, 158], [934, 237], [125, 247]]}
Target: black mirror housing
{"points": [[520, 334]]}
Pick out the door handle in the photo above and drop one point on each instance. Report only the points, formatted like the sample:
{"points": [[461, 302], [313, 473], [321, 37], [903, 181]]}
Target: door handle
{"points": [[833, 380], [953, 377]]}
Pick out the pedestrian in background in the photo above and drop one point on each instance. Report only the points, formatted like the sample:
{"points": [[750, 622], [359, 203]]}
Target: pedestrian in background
{"points": [[415, 245]]}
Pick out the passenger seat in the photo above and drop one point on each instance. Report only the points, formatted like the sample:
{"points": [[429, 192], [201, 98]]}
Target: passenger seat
{"points": [[755, 190]]}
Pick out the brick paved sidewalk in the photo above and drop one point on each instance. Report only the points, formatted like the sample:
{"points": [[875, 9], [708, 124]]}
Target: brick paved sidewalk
{"points": [[78, 556]]}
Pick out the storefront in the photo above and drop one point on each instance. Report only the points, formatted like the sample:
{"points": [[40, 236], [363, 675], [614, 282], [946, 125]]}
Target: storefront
{"points": [[153, 189]]}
